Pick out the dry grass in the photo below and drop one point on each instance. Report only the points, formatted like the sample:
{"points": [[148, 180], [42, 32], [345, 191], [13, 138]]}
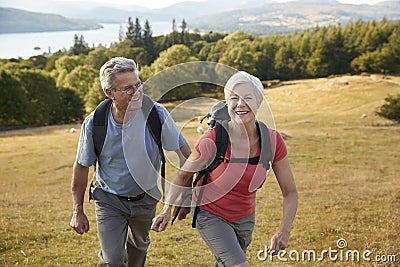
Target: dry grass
{"points": [[346, 169]]}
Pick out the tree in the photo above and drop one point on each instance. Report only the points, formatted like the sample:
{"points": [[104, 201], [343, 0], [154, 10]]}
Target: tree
{"points": [[205, 50], [65, 65], [81, 79], [316, 66], [216, 50], [68, 63], [70, 108], [174, 33], [379, 61], [51, 61], [213, 37], [197, 46], [13, 102], [80, 46], [265, 59], [121, 33], [125, 49], [137, 40], [285, 64], [184, 33], [174, 55], [97, 57], [303, 52], [41, 92], [94, 96], [130, 30], [148, 42], [239, 56], [39, 61], [391, 109], [328, 56]]}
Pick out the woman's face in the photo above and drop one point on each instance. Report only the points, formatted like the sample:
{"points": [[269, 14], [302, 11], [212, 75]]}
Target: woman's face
{"points": [[242, 103]]}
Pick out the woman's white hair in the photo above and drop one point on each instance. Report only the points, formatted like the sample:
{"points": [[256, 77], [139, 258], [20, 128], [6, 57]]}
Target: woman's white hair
{"points": [[243, 77], [116, 65]]}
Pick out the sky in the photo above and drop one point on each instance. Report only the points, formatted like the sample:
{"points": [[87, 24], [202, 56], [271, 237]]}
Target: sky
{"points": [[164, 3]]}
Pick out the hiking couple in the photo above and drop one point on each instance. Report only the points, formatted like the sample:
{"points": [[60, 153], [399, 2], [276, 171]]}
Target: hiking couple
{"points": [[126, 192]]}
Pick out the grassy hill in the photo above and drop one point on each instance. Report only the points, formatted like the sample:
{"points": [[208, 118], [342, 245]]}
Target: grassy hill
{"points": [[346, 169]]}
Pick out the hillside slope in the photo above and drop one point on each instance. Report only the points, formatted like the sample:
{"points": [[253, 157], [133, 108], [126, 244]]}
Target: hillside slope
{"points": [[328, 102], [346, 170]]}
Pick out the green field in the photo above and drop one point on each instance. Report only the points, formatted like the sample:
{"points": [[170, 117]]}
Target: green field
{"points": [[346, 169]]}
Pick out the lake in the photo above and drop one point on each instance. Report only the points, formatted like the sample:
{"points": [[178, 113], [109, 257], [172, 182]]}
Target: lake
{"points": [[14, 45]]}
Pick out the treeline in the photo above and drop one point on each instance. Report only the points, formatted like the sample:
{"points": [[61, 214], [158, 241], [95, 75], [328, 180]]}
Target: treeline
{"points": [[62, 87]]}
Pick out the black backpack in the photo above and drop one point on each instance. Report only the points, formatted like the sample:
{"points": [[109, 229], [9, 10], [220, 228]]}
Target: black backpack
{"points": [[153, 121], [218, 118]]}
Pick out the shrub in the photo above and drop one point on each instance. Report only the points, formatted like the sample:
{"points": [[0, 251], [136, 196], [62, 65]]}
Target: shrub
{"points": [[391, 109]]}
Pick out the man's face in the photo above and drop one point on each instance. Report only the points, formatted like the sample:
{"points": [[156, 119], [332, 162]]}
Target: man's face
{"points": [[128, 91]]}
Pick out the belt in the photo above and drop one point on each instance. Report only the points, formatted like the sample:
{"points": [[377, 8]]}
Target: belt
{"points": [[135, 198]]}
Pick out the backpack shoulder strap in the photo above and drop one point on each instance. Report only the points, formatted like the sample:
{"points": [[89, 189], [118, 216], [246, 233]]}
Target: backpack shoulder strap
{"points": [[265, 142], [100, 122], [221, 141], [154, 124], [153, 120]]}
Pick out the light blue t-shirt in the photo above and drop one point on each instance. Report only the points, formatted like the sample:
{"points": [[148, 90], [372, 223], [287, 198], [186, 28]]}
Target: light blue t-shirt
{"points": [[130, 160]]}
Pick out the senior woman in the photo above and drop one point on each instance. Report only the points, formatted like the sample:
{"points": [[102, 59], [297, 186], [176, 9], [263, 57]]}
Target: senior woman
{"points": [[227, 211]]}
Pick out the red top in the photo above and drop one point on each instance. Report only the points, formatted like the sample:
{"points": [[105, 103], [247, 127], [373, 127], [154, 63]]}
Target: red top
{"points": [[231, 188]]}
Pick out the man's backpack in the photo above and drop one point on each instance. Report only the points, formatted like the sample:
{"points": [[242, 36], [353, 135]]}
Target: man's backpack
{"points": [[153, 121], [218, 118]]}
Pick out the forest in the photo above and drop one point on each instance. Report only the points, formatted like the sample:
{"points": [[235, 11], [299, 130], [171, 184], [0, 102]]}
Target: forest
{"points": [[63, 87]]}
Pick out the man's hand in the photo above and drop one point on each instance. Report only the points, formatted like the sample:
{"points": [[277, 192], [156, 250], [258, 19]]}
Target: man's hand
{"points": [[79, 222], [160, 222]]}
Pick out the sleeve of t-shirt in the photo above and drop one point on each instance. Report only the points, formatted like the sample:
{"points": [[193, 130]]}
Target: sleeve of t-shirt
{"points": [[205, 146], [86, 156], [171, 137], [278, 145]]}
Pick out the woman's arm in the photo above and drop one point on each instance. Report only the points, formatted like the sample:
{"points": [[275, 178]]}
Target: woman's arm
{"points": [[182, 179], [287, 184]]}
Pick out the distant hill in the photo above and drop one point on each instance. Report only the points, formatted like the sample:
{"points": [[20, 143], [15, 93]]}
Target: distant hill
{"points": [[17, 21], [260, 17], [298, 15]]}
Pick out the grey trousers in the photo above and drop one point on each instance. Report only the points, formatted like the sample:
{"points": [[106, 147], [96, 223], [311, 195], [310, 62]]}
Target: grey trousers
{"points": [[228, 241], [123, 229]]}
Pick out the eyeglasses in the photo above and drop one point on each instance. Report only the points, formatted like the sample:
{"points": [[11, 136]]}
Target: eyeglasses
{"points": [[131, 89]]}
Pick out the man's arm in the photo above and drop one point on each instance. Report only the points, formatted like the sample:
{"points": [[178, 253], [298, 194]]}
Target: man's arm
{"points": [[79, 221]]}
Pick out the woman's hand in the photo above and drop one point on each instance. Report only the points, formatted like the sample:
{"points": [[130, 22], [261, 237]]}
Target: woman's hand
{"points": [[278, 242], [160, 222]]}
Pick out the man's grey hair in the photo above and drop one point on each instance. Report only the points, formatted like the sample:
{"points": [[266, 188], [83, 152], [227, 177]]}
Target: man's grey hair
{"points": [[116, 65], [243, 77]]}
